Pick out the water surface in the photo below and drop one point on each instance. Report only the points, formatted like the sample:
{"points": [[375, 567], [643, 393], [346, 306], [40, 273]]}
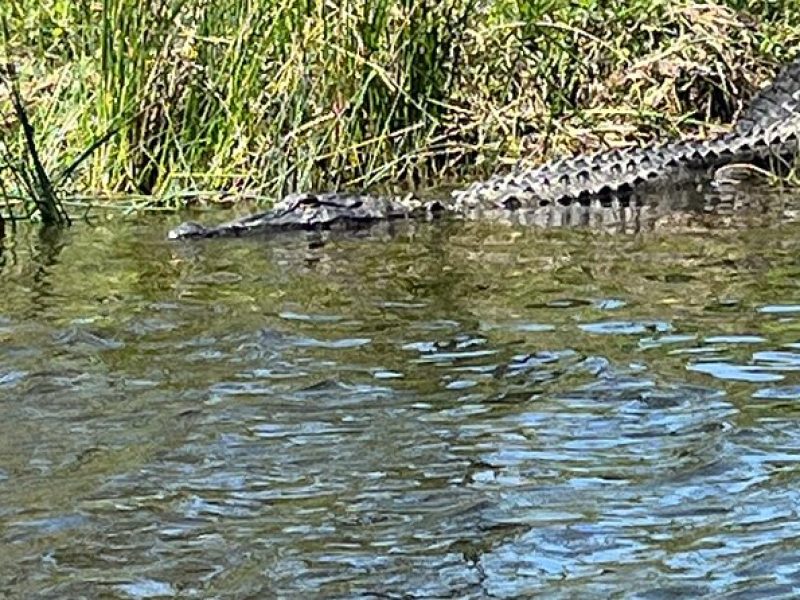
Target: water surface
{"points": [[472, 410]]}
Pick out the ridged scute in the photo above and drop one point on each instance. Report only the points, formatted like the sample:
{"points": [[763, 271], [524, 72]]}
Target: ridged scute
{"points": [[770, 127], [313, 211], [617, 171], [777, 101]]}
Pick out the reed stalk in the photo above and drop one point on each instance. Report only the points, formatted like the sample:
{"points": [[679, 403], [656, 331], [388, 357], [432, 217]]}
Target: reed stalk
{"points": [[183, 99]]}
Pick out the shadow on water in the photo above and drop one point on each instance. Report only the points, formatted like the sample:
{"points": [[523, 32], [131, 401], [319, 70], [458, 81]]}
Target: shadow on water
{"points": [[417, 410]]}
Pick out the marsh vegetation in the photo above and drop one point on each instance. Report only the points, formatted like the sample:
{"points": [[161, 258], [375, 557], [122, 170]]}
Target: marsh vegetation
{"points": [[188, 100]]}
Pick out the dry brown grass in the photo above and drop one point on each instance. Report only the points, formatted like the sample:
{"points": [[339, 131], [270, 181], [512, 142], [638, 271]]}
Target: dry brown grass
{"points": [[256, 98]]}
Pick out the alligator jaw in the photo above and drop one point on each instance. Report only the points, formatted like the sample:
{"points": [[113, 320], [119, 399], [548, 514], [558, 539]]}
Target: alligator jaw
{"points": [[314, 212]]}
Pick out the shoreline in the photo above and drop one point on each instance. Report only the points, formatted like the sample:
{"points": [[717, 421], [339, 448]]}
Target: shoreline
{"points": [[264, 108]]}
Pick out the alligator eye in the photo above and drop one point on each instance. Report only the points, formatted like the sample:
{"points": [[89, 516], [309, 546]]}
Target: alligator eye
{"points": [[186, 230], [308, 199]]}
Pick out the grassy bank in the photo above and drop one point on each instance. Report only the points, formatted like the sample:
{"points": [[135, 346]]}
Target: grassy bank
{"points": [[192, 99]]}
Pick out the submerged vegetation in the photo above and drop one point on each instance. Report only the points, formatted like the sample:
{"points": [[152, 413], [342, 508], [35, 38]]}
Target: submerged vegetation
{"points": [[189, 100]]}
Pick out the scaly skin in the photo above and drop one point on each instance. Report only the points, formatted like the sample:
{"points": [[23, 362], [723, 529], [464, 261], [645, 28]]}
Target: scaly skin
{"points": [[314, 211], [769, 128], [621, 171], [776, 102]]}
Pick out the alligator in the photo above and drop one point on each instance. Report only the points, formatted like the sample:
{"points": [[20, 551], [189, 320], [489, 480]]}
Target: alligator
{"points": [[766, 134]]}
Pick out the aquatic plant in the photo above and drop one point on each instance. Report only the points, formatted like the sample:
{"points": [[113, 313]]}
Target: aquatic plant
{"points": [[26, 168], [256, 98]]}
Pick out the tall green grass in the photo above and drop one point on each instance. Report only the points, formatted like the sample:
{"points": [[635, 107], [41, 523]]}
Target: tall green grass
{"points": [[178, 99]]}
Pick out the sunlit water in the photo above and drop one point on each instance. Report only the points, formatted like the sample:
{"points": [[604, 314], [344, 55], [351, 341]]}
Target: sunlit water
{"points": [[467, 410]]}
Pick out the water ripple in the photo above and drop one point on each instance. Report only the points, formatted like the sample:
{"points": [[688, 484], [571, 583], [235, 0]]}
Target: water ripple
{"points": [[461, 411]]}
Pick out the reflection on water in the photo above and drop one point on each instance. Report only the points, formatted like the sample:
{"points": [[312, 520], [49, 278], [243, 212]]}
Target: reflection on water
{"points": [[466, 410]]}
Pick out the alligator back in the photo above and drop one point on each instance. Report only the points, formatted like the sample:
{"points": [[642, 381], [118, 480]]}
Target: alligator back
{"points": [[739, 205], [770, 127], [777, 101], [619, 171]]}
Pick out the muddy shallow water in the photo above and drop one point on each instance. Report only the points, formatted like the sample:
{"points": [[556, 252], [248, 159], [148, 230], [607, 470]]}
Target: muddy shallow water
{"points": [[468, 410]]}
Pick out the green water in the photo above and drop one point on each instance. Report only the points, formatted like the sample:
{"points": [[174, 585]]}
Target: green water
{"points": [[468, 410]]}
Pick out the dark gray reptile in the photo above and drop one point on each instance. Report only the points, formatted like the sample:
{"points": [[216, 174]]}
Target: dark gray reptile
{"points": [[768, 129]]}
